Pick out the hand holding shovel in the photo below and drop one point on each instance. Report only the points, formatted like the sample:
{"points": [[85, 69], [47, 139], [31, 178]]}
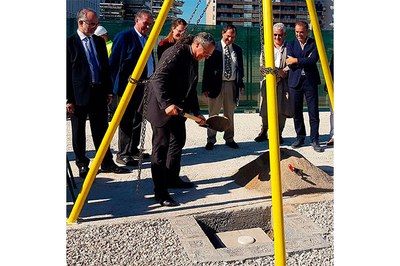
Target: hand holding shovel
{"points": [[215, 122]]}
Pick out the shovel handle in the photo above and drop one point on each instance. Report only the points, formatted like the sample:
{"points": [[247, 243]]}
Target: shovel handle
{"points": [[195, 118]]}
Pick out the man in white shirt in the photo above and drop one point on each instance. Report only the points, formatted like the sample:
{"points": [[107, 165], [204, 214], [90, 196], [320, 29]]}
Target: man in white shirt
{"points": [[284, 107]]}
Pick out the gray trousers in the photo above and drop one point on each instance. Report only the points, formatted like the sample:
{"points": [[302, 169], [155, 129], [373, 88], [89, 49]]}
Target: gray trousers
{"points": [[224, 100], [263, 108]]}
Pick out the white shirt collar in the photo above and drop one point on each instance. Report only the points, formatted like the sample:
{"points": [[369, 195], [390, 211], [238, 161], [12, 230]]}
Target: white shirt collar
{"points": [[304, 42], [140, 35], [224, 44], [81, 35]]}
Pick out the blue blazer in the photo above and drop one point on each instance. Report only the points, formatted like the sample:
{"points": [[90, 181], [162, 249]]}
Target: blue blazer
{"points": [[307, 59], [213, 68], [79, 79], [125, 53]]}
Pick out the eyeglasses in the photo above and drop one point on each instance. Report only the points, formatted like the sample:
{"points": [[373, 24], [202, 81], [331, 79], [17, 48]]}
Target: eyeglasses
{"points": [[279, 35], [207, 54], [92, 25], [180, 31]]}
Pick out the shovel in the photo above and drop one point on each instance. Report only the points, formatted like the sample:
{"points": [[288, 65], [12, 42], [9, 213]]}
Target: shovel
{"points": [[215, 122]]}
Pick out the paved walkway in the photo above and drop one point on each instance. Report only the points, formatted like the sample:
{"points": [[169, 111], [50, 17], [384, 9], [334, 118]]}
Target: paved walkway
{"points": [[114, 197]]}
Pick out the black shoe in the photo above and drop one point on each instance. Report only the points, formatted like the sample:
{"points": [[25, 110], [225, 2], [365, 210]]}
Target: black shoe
{"points": [[128, 161], [145, 156], [167, 201], [179, 183], [114, 169], [298, 143], [209, 146], [83, 171], [262, 136], [232, 144], [316, 147]]}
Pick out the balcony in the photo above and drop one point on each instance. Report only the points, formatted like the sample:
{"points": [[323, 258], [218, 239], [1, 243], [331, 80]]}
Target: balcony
{"points": [[289, 12], [231, 2], [300, 3], [235, 10], [230, 19]]}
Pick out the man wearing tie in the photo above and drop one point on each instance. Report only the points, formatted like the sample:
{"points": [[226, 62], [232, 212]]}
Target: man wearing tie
{"points": [[222, 82], [89, 90], [126, 50]]}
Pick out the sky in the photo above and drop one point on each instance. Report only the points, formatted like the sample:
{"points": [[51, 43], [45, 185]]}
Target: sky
{"points": [[188, 8]]}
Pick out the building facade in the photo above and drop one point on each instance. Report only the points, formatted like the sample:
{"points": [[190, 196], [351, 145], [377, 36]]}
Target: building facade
{"points": [[247, 13], [126, 10], [121, 9], [73, 6], [173, 12]]}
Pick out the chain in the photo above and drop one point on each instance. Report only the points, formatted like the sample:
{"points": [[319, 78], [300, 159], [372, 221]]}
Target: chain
{"points": [[138, 82], [201, 16], [260, 20], [142, 138], [264, 71], [268, 70], [194, 12]]}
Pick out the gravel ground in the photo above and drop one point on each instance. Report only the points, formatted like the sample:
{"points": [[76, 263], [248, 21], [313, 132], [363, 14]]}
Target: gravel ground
{"points": [[153, 242]]}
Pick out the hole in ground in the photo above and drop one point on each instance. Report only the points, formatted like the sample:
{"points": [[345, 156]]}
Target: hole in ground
{"points": [[213, 223]]}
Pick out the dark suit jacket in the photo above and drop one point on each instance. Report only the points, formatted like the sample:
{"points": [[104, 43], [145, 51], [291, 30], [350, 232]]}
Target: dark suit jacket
{"points": [[307, 58], [174, 83], [213, 68], [125, 53], [79, 79]]}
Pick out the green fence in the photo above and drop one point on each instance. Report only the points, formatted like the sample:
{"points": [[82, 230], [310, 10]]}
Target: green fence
{"points": [[249, 39]]}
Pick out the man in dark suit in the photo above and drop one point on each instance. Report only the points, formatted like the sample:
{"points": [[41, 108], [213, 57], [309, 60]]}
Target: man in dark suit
{"points": [[303, 82], [126, 50], [89, 90], [172, 90], [222, 82]]}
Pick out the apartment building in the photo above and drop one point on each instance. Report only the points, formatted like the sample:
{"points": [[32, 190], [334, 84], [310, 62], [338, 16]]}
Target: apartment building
{"points": [[247, 13], [173, 12], [126, 10], [121, 9], [73, 6]]}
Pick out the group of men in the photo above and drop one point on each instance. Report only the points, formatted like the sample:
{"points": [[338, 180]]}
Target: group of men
{"points": [[297, 78], [94, 76]]}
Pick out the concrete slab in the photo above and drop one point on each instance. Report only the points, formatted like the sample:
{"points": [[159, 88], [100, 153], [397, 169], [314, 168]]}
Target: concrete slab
{"points": [[300, 234], [243, 238]]}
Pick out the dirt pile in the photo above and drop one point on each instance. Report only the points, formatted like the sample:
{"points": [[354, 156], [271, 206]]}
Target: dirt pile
{"points": [[304, 179]]}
